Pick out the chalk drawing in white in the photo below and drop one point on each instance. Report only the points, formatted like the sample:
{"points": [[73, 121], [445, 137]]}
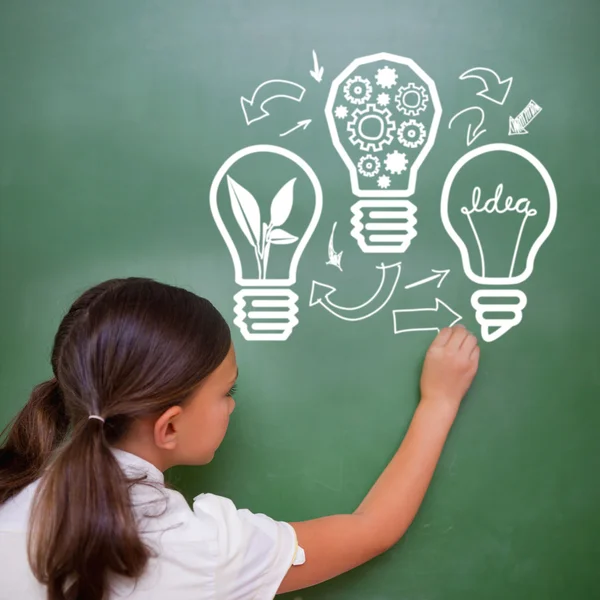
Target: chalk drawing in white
{"points": [[334, 258], [507, 303], [265, 307], [518, 125], [321, 294], [411, 133], [341, 112], [409, 320], [383, 112], [300, 125], [494, 89], [497, 310], [254, 108], [316, 72], [472, 133], [438, 275]]}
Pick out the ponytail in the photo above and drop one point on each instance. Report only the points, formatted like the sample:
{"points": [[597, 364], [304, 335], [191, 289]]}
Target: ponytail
{"points": [[82, 527], [31, 439], [71, 551], [128, 349]]}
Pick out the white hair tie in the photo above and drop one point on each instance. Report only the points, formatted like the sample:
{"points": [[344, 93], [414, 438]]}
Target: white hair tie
{"points": [[98, 417]]}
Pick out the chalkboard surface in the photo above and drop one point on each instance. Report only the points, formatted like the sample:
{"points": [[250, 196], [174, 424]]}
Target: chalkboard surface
{"points": [[340, 179]]}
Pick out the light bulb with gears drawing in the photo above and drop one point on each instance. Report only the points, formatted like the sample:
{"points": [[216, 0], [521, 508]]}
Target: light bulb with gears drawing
{"points": [[383, 113]]}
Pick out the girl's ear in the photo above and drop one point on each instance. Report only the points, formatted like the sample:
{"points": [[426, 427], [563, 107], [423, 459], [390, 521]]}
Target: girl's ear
{"points": [[165, 428]]}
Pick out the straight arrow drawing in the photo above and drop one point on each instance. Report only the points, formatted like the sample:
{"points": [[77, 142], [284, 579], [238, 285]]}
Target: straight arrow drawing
{"points": [[317, 72], [425, 319], [303, 124], [440, 275], [494, 89], [254, 109], [518, 125]]}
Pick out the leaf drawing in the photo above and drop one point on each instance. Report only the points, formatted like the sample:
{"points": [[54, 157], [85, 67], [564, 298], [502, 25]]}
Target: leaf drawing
{"points": [[280, 237], [281, 207], [246, 211]]}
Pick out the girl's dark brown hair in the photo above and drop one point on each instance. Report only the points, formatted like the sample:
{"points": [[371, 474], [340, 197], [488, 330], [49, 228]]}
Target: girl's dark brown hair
{"points": [[127, 348]]}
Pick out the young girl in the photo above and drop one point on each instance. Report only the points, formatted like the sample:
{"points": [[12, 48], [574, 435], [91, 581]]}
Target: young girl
{"points": [[143, 380]]}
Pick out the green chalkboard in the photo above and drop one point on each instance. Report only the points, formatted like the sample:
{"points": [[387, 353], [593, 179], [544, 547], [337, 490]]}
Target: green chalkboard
{"points": [[132, 136]]}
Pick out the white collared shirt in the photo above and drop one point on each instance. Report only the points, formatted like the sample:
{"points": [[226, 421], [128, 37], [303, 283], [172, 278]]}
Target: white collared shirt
{"points": [[211, 552]]}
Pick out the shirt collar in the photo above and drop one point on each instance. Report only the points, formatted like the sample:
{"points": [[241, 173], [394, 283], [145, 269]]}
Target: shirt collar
{"points": [[135, 466]]}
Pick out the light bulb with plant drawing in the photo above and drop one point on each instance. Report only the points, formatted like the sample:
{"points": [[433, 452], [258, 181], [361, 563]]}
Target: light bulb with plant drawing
{"points": [[266, 307], [498, 309], [383, 113]]}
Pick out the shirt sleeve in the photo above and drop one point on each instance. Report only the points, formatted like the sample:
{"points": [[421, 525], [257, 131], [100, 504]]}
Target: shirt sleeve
{"points": [[254, 552]]}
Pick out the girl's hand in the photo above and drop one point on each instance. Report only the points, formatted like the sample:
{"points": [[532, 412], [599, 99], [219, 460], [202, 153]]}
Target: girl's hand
{"points": [[450, 366]]}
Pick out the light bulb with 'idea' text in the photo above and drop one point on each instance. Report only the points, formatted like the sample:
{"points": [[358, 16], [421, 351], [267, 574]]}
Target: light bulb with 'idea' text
{"points": [[499, 206]]}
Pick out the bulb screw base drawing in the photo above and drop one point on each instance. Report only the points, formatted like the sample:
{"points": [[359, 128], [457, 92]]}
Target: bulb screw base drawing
{"points": [[266, 314], [383, 226], [498, 311]]}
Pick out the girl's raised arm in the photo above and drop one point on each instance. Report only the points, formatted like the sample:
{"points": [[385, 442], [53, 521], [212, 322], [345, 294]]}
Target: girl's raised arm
{"points": [[336, 544]]}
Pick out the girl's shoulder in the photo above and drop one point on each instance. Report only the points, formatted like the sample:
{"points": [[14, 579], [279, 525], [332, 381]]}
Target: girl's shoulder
{"points": [[14, 513]]}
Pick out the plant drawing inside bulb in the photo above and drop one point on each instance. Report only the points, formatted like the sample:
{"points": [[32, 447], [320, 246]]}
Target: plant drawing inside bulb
{"points": [[499, 206], [383, 113], [266, 233]]}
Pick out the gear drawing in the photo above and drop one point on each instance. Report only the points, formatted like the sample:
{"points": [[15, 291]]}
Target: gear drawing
{"points": [[412, 99], [358, 90], [383, 99], [386, 77], [411, 133], [341, 112], [369, 165], [384, 182], [375, 141], [396, 162]]}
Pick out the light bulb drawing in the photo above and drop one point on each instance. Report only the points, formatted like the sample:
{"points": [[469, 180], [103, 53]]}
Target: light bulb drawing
{"points": [[266, 242], [383, 112], [498, 229]]}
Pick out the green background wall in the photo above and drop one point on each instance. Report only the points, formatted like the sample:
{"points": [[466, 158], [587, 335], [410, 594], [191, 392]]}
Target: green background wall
{"points": [[115, 117]]}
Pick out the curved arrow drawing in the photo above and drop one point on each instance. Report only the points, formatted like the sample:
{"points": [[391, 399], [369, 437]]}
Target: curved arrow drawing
{"points": [[254, 109], [424, 319], [335, 258], [472, 134], [321, 292], [492, 84]]}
